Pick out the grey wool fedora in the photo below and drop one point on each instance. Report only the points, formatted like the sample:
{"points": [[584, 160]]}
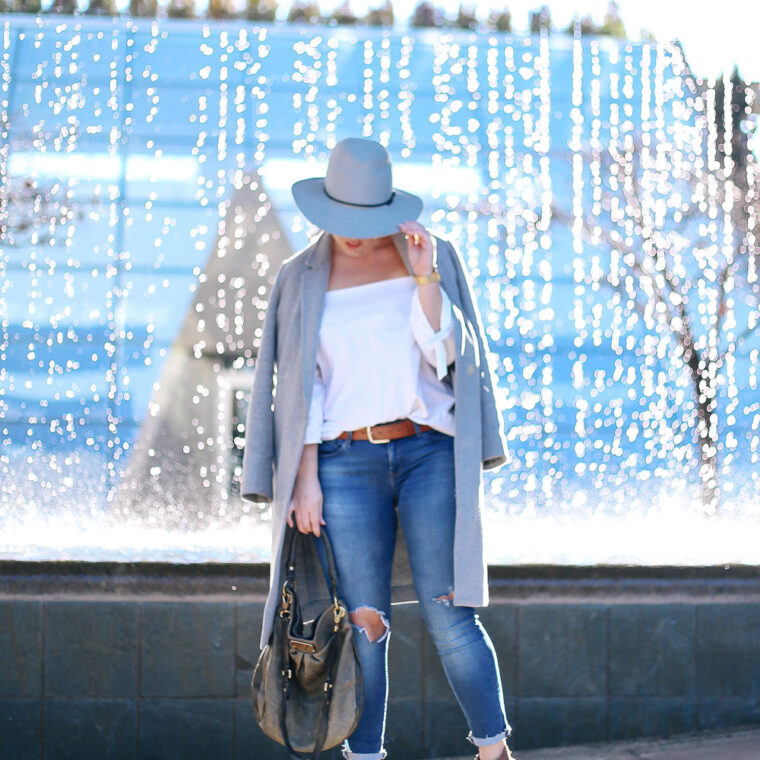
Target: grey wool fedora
{"points": [[356, 198]]}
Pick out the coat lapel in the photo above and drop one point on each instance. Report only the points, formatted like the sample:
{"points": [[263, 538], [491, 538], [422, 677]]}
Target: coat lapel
{"points": [[313, 288]]}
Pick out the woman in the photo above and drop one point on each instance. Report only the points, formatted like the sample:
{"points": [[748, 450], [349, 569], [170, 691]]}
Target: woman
{"points": [[383, 400]]}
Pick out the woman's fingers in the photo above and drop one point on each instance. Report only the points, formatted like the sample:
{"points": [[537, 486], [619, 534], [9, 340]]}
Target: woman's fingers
{"points": [[299, 518], [418, 237], [308, 519], [299, 522], [412, 228], [316, 519]]}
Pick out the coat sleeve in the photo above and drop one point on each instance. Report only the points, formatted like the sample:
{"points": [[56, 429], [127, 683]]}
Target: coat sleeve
{"points": [[258, 457], [494, 440]]}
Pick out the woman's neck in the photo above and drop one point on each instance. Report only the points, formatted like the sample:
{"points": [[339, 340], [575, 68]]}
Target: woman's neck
{"points": [[381, 261]]}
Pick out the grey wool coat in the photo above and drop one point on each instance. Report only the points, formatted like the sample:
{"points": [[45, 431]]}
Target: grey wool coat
{"points": [[277, 416]]}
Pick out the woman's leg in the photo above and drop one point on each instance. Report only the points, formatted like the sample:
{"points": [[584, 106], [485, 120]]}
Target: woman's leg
{"points": [[424, 470], [360, 520]]}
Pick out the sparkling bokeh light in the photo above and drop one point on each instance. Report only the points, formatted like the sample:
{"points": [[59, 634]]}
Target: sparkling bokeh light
{"points": [[590, 185]]}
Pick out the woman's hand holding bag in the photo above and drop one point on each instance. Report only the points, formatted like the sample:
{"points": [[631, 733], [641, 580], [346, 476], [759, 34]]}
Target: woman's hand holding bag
{"points": [[306, 503]]}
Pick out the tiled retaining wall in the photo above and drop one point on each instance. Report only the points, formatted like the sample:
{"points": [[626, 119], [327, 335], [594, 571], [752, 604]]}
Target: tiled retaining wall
{"points": [[154, 662]]}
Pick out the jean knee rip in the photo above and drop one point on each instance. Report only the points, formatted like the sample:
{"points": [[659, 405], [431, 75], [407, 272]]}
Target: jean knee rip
{"points": [[383, 619], [445, 599]]}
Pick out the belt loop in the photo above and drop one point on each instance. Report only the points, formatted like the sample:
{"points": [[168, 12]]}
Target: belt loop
{"points": [[350, 437], [417, 430]]}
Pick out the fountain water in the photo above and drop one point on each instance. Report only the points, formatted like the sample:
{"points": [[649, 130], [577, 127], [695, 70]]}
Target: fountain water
{"points": [[592, 186]]}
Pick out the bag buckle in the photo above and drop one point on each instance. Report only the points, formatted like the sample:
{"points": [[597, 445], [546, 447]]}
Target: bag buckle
{"points": [[339, 612], [287, 600], [302, 646], [368, 428]]}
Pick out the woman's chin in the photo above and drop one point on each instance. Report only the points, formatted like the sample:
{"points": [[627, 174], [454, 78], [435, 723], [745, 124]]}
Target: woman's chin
{"points": [[362, 246]]}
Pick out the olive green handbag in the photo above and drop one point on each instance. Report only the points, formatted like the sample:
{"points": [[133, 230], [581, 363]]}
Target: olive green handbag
{"points": [[307, 687]]}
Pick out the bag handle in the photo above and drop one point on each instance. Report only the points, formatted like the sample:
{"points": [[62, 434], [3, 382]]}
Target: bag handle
{"points": [[291, 562]]}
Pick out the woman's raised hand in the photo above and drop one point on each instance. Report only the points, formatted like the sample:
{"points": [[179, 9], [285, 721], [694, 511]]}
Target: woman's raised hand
{"points": [[420, 247], [306, 502]]}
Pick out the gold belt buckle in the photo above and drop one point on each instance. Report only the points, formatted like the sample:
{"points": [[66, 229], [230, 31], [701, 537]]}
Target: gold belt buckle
{"points": [[375, 440]]}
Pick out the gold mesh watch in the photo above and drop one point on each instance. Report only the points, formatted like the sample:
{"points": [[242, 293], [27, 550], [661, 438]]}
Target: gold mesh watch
{"points": [[424, 279]]}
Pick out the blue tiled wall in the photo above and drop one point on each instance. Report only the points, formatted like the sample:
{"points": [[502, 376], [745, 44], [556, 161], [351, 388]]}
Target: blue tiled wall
{"points": [[104, 678]]}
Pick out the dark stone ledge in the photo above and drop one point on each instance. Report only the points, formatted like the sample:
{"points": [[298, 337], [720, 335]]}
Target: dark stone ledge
{"points": [[507, 582], [610, 581], [132, 578]]}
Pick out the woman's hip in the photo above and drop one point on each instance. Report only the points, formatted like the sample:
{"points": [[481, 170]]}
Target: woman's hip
{"points": [[368, 464]]}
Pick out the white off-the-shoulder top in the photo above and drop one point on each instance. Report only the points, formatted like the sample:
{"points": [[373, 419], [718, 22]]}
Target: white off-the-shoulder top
{"points": [[379, 360]]}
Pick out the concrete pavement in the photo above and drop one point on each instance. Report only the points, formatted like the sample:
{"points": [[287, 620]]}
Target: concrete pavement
{"points": [[736, 744]]}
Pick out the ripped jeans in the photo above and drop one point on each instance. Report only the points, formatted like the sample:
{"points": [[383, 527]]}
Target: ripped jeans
{"points": [[362, 484]]}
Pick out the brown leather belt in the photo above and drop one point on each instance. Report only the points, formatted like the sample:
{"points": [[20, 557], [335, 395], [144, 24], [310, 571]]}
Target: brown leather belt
{"points": [[385, 432]]}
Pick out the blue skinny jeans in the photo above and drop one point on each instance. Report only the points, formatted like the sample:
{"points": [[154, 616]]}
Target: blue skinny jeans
{"points": [[362, 485]]}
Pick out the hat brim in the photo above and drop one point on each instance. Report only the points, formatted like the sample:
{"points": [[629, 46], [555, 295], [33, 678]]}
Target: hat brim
{"points": [[353, 221]]}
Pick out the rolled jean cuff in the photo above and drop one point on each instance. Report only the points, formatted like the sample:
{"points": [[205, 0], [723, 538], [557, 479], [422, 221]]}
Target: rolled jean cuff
{"points": [[346, 753], [478, 742]]}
